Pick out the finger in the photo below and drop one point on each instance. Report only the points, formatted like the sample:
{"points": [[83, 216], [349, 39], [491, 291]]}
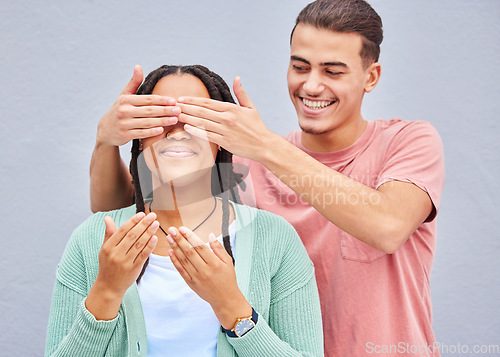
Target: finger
{"points": [[241, 95], [131, 128], [146, 251], [147, 123], [116, 238], [221, 252], [184, 251], [145, 133], [135, 232], [143, 239], [148, 100], [191, 237], [199, 122], [202, 113], [180, 268], [135, 82], [204, 135], [201, 248], [110, 228], [212, 104], [154, 111]]}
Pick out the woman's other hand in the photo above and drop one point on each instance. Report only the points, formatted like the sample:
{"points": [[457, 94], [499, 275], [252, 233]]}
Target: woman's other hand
{"points": [[210, 273]]}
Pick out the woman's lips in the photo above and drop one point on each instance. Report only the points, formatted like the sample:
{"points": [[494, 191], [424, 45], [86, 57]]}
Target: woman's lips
{"points": [[177, 152]]}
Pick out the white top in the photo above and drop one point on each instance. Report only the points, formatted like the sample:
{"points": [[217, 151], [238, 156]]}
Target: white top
{"points": [[177, 320]]}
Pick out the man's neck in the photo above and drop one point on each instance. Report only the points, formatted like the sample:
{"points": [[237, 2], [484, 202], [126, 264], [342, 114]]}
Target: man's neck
{"points": [[334, 140]]}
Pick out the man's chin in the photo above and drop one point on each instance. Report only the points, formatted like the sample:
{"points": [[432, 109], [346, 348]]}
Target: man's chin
{"points": [[312, 131]]}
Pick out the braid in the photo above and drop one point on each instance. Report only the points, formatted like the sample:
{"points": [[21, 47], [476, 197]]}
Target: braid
{"points": [[222, 171]]}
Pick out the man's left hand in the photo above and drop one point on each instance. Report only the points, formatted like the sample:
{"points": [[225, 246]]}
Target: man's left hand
{"points": [[237, 128]]}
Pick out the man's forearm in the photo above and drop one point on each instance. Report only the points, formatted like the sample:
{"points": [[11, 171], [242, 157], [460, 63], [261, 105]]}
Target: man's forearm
{"points": [[378, 217], [110, 181]]}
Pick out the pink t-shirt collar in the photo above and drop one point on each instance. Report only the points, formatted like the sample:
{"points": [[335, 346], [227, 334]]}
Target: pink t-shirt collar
{"points": [[295, 137]]}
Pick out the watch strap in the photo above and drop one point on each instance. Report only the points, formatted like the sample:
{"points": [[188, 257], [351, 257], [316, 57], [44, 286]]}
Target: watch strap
{"points": [[231, 333]]}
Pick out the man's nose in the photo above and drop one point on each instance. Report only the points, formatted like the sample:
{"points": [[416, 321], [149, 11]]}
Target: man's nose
{"points": [[313, 85]]}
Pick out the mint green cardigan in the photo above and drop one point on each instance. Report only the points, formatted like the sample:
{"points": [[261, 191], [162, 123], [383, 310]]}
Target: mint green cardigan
{"points": [[273, 271]]}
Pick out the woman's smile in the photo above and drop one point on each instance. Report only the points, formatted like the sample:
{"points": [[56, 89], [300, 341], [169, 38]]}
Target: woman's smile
{"points": [[177, 152]]}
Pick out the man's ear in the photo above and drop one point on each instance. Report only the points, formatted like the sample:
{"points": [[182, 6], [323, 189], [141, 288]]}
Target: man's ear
{"points": [[372, 76]]}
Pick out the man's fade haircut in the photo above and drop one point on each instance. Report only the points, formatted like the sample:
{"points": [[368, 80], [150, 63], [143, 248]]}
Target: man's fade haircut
{"points": [[356, 16]]}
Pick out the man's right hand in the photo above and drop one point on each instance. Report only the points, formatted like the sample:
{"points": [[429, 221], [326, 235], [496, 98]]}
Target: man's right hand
{"points": [[136, 116]]}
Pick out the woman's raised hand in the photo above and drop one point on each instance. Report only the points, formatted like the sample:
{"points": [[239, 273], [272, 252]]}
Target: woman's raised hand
{"points": [[210, 273], [121, 258]]}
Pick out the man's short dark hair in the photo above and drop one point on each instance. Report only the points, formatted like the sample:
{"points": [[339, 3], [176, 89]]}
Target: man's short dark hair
{"points": [[356, 16]]}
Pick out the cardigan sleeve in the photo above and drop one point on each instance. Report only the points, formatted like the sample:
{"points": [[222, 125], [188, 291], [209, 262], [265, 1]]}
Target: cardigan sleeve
{"points": [[294, 326], [72, 329]]}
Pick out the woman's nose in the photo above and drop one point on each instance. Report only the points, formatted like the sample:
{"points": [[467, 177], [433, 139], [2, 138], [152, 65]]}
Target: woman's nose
{"points": [[177, 132]]}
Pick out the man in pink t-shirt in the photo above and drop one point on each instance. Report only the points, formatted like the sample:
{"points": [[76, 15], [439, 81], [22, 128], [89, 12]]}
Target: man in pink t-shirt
{"points": [[371, 301], [362, 195]]}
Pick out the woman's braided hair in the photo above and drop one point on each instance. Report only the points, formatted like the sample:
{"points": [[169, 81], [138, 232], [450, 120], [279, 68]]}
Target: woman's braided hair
{"points": [[224, 180]]}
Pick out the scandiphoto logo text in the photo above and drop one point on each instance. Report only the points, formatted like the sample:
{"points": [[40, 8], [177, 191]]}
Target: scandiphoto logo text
{"points": [[403, 348], [323, 190]]}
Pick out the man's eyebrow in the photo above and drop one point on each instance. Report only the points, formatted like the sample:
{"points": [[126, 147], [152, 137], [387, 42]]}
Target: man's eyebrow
{"points": [[324, 64], [300, 59], [337, 64]]}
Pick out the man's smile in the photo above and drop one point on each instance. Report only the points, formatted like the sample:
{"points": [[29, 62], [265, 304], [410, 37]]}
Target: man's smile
{"points": [[316, 104]]}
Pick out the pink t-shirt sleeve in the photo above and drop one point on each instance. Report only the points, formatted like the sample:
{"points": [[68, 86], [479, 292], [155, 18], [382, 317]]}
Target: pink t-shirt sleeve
{"points": [[243, 166], [415, 155]]}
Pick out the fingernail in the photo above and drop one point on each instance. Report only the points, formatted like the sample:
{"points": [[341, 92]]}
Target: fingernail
{"points": [[158, 131], [183, 230], [151, 217], [171, 101], [180, 99], [140, 215], [171, 252], [211, 237], [176, 111], [172, 231], [170, 239], [172, 121], [155, 225]]}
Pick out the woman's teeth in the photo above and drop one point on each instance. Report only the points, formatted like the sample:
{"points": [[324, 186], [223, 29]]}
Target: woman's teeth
{"points": [[316, 104]]}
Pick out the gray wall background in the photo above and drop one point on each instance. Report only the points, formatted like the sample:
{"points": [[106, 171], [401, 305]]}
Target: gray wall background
{"points": [[63, 64]]}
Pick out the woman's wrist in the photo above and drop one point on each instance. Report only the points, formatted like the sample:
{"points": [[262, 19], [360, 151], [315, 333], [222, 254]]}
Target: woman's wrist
{"points": [[231, 310], [102, 302]]}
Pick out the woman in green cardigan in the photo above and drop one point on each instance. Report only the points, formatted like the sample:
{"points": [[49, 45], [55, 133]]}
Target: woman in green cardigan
{"points": [[230, 280]]}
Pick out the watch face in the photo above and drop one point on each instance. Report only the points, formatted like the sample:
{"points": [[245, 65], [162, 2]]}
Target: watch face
{"points": [[243, 327]]}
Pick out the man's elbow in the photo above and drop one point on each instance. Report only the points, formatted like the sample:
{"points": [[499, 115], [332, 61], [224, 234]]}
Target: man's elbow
{"points": [[95, 206], [393, 236], [98, 203], [108, 201]]}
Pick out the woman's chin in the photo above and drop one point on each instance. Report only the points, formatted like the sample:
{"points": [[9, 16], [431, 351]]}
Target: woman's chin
{"points": [[187, 179]]}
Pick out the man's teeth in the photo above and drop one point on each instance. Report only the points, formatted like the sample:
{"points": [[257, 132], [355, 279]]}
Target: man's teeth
{"points": [[317, 104]]}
